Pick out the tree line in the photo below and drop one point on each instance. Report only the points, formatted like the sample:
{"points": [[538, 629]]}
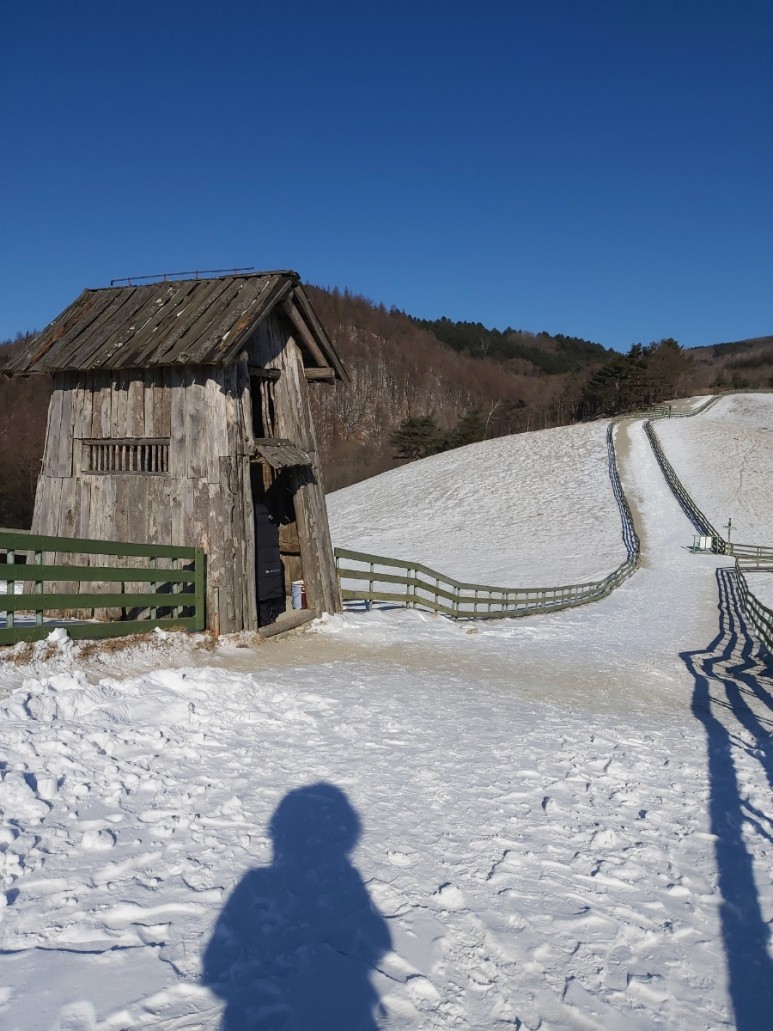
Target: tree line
{"points": [[645, 376], [551, 354], [625, 382]]}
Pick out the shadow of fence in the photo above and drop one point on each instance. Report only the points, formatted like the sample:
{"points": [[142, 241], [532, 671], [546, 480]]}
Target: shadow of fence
{"points": [[733, 699]]}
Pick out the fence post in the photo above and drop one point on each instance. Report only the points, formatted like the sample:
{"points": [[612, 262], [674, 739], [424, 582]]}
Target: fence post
{"points": [[199, 592], [38, 560], [10, 587], [152, 562], [176, 609]]}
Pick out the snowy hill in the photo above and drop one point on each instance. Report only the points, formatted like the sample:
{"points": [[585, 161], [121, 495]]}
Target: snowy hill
{"points": [[723, 457], [398, 822], [532, 509]]}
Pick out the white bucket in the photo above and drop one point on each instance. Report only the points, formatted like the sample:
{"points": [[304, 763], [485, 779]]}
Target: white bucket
{"points": [[299, 594]]}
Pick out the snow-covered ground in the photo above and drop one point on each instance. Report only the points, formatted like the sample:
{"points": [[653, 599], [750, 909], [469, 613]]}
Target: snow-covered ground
{"points": [[760, 583], [723, 458], [494, 513], [397, 822]]}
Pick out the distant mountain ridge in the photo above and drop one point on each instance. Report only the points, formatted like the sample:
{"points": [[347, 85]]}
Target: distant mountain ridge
{"points": [[551, 354], [737, 344], [405, 368]]}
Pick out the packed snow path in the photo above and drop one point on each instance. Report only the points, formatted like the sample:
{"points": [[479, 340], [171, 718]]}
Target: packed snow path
{"points": [[565, 821]]}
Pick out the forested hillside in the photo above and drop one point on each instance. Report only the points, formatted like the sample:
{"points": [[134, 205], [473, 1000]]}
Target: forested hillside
{"points": [[458, 375], [550, 354], [419, 386], [23, 411]]}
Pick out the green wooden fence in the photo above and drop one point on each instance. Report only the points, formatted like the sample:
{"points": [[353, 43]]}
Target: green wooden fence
{"points": [[48, 578], [761, 554], [389, 581]]}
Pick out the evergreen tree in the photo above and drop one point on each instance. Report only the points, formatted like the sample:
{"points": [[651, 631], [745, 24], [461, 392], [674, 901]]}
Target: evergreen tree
{"points": [[416, 437], [639, 379], [470, 428]]}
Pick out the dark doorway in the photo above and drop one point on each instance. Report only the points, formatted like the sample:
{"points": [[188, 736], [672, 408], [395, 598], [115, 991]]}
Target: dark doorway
{"points": [[277, 547], [277, 550], [269, 571]]}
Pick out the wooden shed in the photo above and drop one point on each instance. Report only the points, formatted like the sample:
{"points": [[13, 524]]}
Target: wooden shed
{"points": [[180, 413]]}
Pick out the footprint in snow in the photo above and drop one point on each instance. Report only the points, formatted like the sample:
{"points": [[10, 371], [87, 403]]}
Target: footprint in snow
{"points": [[399, 859], [99, 840], [450, 897]]}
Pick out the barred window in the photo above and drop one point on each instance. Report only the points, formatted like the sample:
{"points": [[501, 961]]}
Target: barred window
{"points": [[125, 456]]}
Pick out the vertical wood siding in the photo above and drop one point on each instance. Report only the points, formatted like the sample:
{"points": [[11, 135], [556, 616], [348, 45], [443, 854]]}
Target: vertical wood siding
{"points": [[205, 500]]}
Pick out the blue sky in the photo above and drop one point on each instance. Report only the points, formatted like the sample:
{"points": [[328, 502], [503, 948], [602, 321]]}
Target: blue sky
{"points": [[602, 169]]}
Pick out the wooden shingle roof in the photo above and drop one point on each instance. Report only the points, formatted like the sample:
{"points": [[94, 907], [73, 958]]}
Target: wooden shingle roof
{"points": [[185, 322]]}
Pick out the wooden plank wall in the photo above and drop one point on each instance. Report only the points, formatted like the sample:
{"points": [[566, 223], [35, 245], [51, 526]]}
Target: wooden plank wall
{"points": [[204, 501]]}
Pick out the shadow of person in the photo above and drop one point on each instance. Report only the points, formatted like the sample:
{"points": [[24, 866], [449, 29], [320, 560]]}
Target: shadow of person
{"points": [[296, 941]]}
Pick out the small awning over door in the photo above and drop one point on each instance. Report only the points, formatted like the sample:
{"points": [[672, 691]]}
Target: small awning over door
{"points": [[280, 453]]}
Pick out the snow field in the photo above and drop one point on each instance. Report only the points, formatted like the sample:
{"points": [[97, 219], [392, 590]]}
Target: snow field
{"points": [[509, 889], [761, 585], [723, 458], [493, 513], [565, 819]]}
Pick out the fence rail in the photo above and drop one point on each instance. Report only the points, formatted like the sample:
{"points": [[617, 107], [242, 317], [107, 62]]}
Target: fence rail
{"points": [[760, 552], [691, 510], [665, 411], [376, 578], [47, 581], [758, 614], [748, 557]]}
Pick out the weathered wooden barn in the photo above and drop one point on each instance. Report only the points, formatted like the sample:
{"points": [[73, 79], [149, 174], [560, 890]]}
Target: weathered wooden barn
{"points": [[180, 410]]}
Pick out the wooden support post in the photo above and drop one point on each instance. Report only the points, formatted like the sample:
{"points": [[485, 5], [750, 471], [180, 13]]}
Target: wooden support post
{"points": [[299, 325]]}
